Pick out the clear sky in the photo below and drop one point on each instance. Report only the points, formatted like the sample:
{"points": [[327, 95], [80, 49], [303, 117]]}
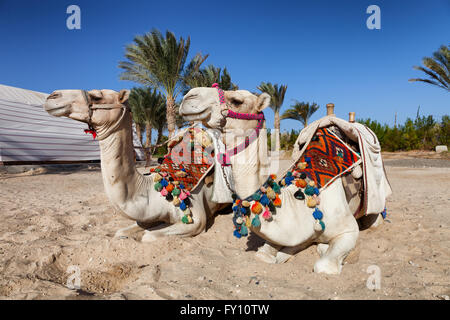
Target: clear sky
{"points": [[321, 49]]}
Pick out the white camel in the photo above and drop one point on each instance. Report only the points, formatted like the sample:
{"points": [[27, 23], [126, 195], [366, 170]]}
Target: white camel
{"points": [[292, 228], [131, 193]]}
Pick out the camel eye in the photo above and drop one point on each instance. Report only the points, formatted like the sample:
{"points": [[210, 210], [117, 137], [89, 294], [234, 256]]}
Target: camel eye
{"points": [[236, 101]]}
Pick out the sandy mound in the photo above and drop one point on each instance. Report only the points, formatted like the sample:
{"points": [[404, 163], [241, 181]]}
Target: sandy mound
{"points": [[51, 221]]}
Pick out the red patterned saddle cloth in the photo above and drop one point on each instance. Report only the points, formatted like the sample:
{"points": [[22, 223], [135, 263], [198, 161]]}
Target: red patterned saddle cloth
{"points": [[326, 157], [189, 159]]}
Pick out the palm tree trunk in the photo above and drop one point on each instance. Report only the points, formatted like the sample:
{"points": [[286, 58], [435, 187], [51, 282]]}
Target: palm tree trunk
{"points": [[159, 137], [277, 130], [139, 132], [171, 119], [148, 141]]}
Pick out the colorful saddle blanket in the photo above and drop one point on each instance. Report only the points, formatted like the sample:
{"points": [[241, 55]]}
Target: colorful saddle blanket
{"points": [[325, 158], [190, 157]]}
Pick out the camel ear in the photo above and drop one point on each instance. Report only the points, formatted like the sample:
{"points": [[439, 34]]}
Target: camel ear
{"points": [[263, 101], [95, 94], [124, 95]]}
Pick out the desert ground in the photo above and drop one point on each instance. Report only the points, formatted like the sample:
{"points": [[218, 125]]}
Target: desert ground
{"points": [[52, 219]]}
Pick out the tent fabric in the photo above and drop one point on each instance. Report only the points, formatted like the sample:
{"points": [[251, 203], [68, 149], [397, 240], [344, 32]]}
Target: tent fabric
{"points": [[29, 134]]}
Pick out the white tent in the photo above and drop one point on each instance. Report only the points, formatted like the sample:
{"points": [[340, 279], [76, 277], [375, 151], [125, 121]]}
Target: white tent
{"points": [[29, 134]]}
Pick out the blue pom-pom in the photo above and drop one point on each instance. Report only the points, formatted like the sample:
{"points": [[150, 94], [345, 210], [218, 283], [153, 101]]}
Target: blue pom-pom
{"points": [[316, 191], [237, 234], [235, 208], [244, 231], [256, 222], [309, 191], [243, 210], [317, 214], [181, 186], [164, 183], [183, 205], [183, 169], [384, 213], [307, 159], [264, 200]]}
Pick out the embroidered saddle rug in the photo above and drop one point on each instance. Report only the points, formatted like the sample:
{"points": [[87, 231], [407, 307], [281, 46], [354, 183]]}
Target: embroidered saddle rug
{"points": [[189, 159], [326, 158]]}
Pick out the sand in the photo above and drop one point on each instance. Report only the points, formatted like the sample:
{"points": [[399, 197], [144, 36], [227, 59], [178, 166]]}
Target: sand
{"points": [[52, 220]]}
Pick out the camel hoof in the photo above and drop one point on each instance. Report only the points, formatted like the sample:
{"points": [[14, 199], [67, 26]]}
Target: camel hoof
{"points": [[265, 257], [326, 266], [282, 257]]}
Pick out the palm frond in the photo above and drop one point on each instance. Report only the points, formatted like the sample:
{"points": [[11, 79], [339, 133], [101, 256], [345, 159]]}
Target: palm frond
{"points": [[437, 68], [300, 111]]}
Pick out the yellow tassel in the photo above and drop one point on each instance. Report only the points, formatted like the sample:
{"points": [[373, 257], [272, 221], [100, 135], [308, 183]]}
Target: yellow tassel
{"points": [[245, 203], [270, 193], [248, 223], [311, 202], [157, 177], [176, 201]]}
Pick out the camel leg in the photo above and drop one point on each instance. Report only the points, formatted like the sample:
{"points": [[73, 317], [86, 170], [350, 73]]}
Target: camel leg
{"points": [[127, 231], [339, 248], [322, 248], [370, 221], [177, 229], [288, 252], [268, 252]]}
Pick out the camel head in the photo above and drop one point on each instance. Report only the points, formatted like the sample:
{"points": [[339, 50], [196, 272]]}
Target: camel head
{"points": [[106, 106], [203, 104]]}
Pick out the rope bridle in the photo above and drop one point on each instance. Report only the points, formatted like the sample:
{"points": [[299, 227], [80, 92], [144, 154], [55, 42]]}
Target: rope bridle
{"points": [[224, 158], [92, 107]]}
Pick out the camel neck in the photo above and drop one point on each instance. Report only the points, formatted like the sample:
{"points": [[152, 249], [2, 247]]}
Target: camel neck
{"points": [[120, 177], [250, 165]]}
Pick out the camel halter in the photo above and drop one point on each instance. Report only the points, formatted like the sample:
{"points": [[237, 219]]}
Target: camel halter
{"points": [[224, 158], [92, 107]]}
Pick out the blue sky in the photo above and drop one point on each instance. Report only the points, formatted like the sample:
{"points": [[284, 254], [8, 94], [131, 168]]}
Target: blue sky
{"points": [[321, 49]]}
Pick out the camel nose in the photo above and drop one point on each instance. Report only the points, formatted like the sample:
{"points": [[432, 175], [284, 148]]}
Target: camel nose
{"points": [[54, 95]]}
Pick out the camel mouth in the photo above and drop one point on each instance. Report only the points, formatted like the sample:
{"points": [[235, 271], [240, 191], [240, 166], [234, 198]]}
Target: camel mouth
{"points": [[194, 113], [197, 116], [57, 111]]}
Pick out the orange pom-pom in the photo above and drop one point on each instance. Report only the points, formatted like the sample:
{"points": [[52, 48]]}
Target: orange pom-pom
{"points": [[300, 183], [257, 208], [277, 201], [170, 187], [273, 176]]}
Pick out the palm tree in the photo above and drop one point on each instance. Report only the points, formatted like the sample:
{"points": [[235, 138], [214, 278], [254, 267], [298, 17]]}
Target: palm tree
{"points": [[136, 104], [437, 68], [149, 105], [159, 62], [276, 93], [207, 76], [300, 111]]}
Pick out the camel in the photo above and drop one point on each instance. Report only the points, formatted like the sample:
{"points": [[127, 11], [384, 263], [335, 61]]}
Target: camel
{"points": [[292, 228], [130, 193]]}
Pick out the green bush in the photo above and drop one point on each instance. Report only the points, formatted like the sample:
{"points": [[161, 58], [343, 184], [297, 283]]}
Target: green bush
{"points": [[424, 133]]}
